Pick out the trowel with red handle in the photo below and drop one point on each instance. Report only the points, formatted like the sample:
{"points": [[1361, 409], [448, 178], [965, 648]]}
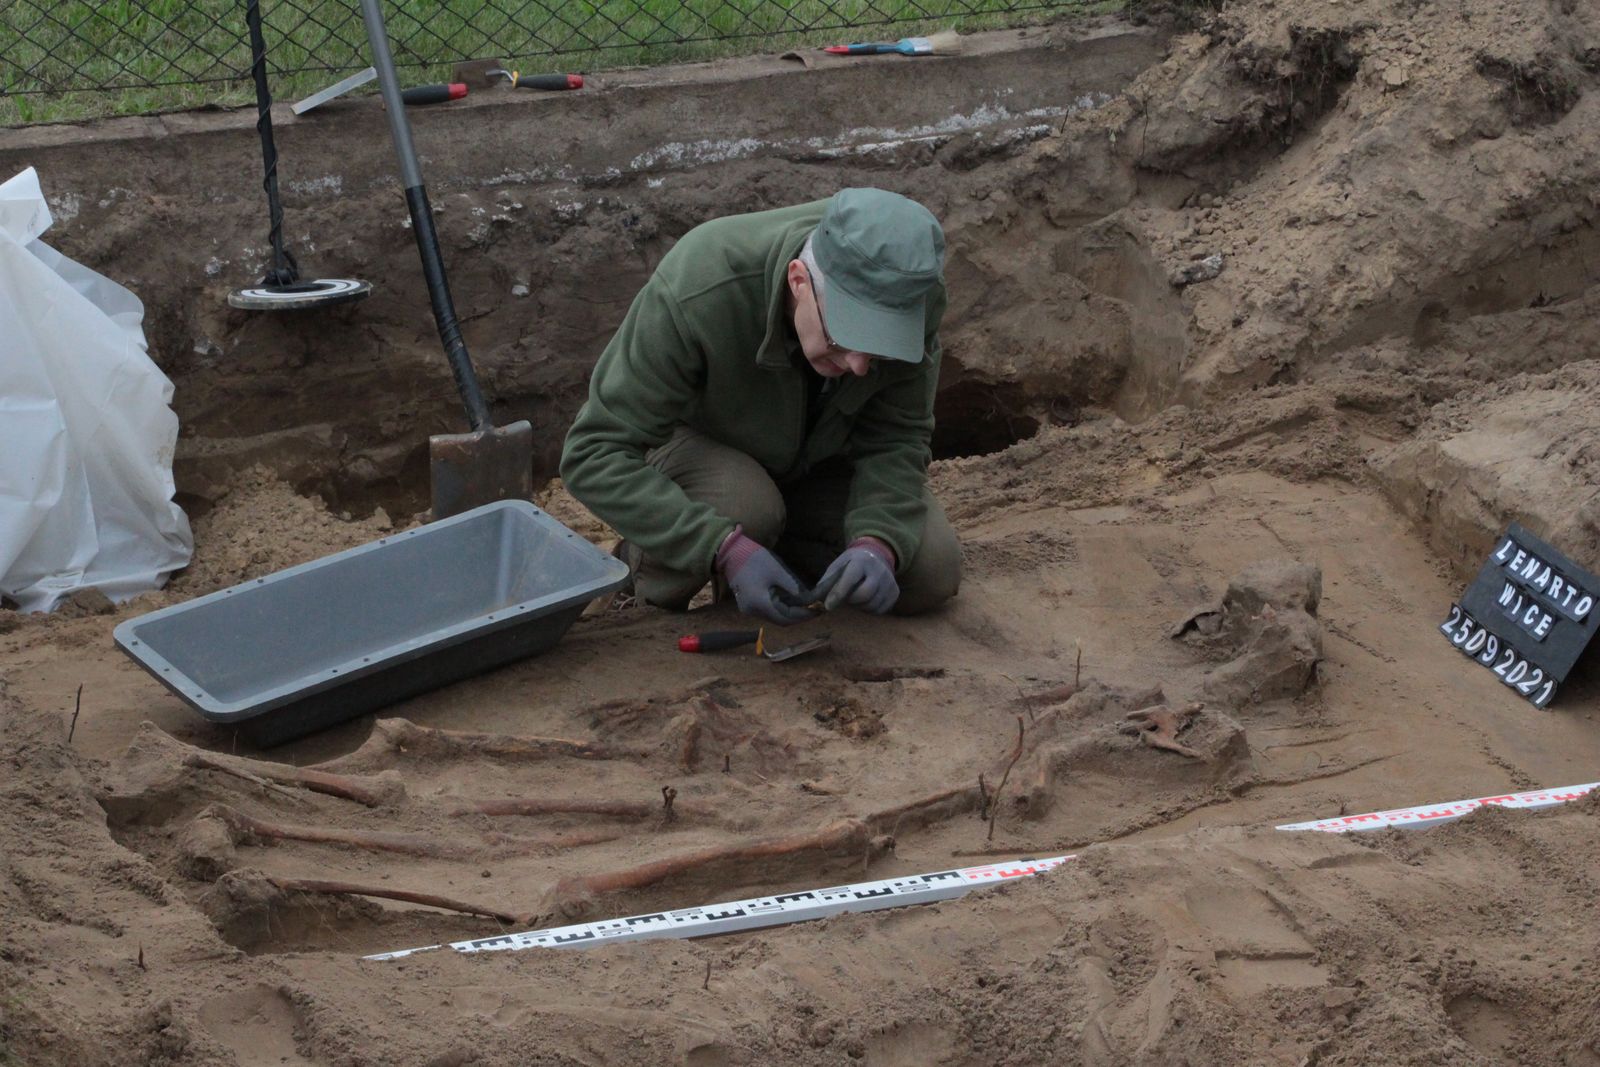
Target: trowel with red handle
{"points": [[721, 640]]}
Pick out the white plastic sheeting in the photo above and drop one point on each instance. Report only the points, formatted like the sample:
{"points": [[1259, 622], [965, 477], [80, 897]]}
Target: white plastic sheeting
{"points": [[86, 430]]}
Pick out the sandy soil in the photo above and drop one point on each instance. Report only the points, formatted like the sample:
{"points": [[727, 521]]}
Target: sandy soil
{"points": [[1302, 457]]}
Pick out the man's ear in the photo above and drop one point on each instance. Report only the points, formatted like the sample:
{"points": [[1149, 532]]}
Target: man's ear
{"points": [[797, 277]]}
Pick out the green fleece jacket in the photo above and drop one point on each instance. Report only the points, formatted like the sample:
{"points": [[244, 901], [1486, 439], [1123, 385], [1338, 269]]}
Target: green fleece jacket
{"points": [[709, 344]]}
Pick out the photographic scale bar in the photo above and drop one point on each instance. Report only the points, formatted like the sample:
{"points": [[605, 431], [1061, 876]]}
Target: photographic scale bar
{"points": [[783, 908]]}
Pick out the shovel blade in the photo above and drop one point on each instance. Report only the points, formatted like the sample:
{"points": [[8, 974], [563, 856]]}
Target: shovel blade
{"points": [[469, 470]]}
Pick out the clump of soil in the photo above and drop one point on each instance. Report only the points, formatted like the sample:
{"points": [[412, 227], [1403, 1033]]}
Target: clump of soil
{"points": [[1265, 630], [260, 525], [849, 716]]}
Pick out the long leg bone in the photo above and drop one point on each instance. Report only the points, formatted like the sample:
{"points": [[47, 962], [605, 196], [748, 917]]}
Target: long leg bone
{"points": [[147, 765], [246, 828], [368, 791], [618, 809], [848, 836], [312, 885], [393, 737]]}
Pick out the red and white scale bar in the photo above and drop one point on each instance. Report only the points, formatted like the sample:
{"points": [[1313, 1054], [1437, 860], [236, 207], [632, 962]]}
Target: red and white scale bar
{"points": [[1432, 814], [783, 908]]}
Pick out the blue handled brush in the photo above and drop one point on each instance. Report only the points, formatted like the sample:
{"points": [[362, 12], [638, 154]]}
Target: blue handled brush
{"points": [[943, 44]]}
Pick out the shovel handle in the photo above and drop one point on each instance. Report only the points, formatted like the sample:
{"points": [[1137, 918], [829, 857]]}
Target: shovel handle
{"points": [[718, 640], [444, 309]]}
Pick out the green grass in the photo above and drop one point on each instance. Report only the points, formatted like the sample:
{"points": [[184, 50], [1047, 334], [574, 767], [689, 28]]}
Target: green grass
{"points": [[61, 61], [9, 1005]]}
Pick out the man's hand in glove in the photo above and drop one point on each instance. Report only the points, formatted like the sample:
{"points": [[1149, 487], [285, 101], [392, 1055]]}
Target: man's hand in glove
{"points": [[862, 576], [761, 584]]}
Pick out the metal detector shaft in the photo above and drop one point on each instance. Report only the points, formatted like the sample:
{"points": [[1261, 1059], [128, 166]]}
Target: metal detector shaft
{"points": [[284, 269], [444, 309]]}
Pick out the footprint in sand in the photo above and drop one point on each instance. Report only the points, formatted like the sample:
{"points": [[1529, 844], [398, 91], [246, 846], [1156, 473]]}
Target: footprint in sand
{"points": [[257, 1025], [1255, 946]]}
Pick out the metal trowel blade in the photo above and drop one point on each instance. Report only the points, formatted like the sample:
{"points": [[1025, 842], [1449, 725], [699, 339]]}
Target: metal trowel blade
{"points": [[476, 72], [799, 648]]}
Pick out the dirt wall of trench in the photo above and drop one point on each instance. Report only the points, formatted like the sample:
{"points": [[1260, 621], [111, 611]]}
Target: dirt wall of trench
{"points": [[1371, 206], [553, 209]]}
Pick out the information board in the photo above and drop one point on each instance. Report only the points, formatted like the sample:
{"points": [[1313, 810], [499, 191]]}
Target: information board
{"points": [[1528, 615]]}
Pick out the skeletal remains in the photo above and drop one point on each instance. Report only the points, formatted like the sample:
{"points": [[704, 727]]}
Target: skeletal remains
{"points": [[367, 778]]}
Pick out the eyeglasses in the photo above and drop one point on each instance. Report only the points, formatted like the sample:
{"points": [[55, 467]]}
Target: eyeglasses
{"points": [[816, 302]]}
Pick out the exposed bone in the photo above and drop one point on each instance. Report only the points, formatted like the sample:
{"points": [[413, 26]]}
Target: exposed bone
{"points": [[848, 836], [150, 757], [1031, 744], [310, 885], [246, 827], [1159, 727], [199, 762], [713, 724], [391, 737], [1043, 698], [689, 748], [1036, 786], [504, 845], [370, 792], [926, 811], [619, 809]]}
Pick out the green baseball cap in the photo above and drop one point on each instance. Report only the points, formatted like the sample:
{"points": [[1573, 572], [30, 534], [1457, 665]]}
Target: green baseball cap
{"points": [[880, 253]]}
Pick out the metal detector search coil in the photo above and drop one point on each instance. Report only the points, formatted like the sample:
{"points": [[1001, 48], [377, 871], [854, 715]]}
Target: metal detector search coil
{"points": [[300, 296]]}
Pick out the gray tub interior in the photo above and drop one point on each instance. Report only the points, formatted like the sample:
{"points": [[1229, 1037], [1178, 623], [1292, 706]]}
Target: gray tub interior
{"points": [[495, 583]]}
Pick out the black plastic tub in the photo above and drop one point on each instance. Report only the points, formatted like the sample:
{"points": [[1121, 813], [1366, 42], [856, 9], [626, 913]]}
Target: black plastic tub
{"points": [[305, 648]]}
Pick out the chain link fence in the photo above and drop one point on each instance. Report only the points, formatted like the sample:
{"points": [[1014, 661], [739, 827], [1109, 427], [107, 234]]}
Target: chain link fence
{"points": [[113, 55]]}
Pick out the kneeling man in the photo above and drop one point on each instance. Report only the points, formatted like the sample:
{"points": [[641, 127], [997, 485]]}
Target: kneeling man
{"points": [[767, 404]]}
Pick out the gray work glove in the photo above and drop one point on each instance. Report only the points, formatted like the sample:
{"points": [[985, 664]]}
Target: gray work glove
{"points": [[862, 576], [761, 584]]}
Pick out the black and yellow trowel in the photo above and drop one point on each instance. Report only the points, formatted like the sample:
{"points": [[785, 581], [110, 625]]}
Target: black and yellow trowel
{"points": [[489, 462]]}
